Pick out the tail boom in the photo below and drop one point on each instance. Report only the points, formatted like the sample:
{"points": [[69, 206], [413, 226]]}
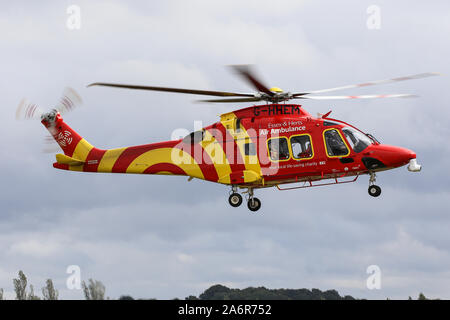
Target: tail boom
{"points": [[155, 158]]}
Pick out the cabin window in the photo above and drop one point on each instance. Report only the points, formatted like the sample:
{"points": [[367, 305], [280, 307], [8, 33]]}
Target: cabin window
{"points": [[250, 149], [238, 125], [301, 147], [278, 149], [194, 137], [334, 143]]}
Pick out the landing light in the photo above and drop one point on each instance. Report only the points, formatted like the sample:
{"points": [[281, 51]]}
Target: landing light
{"points": [[414, 166]]}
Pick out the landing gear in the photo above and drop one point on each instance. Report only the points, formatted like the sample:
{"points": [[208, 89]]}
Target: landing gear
{"points": [[235, 200], [253, 203], [374, 190]]}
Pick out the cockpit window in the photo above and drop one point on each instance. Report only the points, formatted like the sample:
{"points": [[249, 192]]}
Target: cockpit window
{"points": [[278, 149], [336, 147], [357, 140]]}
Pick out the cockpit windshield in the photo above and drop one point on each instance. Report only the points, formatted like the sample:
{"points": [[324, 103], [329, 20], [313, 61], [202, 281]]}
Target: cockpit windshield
{"points": [[357, 140]]}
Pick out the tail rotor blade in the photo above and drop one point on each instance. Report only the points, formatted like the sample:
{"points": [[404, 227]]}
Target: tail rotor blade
{"points": [[69, 101], [27, 110], [50, 145]]}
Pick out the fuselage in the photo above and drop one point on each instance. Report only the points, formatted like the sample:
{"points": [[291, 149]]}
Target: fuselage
{"points": [[258, 146]]}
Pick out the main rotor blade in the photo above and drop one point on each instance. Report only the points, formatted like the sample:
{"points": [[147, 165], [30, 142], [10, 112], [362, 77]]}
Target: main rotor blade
{"points": [[232, 100], [373, 83], [367, 96], [178, 90], [248, 74]]}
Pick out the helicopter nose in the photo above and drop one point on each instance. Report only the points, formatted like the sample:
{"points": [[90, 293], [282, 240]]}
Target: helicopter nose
{"points": [[405, 155], [402, 156], [392, 156]]}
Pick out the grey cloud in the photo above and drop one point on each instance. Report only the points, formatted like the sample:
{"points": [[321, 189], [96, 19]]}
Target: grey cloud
{"points": [[164, 237]]}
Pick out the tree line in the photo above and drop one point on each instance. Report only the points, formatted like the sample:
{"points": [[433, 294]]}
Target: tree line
{"points": [[95, 290]]}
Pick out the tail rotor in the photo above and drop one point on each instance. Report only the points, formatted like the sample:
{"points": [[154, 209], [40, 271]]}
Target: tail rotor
{"points": [[69, 101], [27, 110]]}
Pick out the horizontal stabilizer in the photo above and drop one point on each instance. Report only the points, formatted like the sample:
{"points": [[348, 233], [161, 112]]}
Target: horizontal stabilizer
{"points": [[63, 159]]}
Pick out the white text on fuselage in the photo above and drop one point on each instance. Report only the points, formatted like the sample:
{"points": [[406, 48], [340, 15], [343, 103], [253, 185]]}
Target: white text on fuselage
{"points": [[283, 127]]}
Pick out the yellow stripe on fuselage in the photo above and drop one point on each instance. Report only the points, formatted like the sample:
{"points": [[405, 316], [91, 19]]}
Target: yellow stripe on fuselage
{"points": [[164, 155], [241, 137], [80, 153], [217, 155], [109, 159]]}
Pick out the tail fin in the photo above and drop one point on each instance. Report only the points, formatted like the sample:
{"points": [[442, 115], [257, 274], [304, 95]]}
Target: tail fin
{"points": [[76, 149]]}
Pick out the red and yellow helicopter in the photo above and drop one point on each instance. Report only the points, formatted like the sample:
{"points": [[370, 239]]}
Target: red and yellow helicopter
{"points": [[261, 146]]}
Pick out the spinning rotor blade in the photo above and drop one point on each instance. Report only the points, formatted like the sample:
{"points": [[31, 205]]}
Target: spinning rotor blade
{"points": [[246, 72], [373, 83], [69, 101], [27, 110], [274, 95], [233, 100], [178, 90], [50, 145], [367, 96]]}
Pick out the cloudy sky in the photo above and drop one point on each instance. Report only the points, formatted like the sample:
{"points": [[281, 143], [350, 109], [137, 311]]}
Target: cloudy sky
{"points": [[164, 237]]}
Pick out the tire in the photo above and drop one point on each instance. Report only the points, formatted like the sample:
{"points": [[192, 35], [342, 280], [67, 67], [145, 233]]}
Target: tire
{"points": [[254, 205], [235, 200], [374, 190]]}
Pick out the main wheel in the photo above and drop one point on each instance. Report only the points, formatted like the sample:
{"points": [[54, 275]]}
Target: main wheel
{"points": [[254, 204], [235, 199], [374, 190]]}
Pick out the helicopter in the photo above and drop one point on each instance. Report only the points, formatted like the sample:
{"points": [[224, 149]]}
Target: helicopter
{"points": [[275, 144]]}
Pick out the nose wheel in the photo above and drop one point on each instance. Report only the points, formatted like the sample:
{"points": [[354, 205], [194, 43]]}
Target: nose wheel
{"points": [[374, 190]]}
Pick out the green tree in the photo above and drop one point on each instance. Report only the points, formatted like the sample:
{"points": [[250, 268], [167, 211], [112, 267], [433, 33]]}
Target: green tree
{"points": [[94, 291], [1, 294], [49, 292], [32, 296], [20, 286], [216, 292], [219, 292], [422, 297]]}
